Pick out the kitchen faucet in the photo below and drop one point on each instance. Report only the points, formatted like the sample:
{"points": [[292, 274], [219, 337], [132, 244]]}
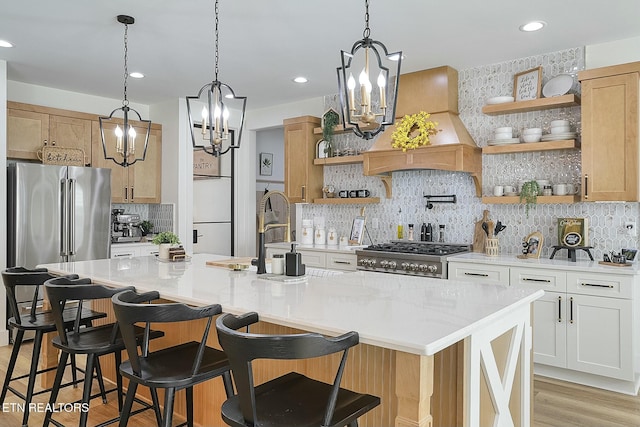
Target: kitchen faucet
{"points": [[262, 228]]}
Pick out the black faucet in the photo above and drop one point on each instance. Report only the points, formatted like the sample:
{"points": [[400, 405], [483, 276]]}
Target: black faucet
{"points": [[262, 228]]}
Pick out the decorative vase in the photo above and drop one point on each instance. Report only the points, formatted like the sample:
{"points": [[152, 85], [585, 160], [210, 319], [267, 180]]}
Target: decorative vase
{"points": [[163, 250]]}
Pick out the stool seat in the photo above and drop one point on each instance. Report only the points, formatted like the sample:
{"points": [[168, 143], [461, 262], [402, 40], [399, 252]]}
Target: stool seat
{"points": [[45, 321]]}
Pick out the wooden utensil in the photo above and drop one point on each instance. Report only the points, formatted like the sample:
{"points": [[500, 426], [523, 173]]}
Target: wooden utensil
{"points": [[479, 236]]}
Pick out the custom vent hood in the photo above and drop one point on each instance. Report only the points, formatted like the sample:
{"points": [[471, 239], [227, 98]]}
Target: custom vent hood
{"points": [[436, 92]]}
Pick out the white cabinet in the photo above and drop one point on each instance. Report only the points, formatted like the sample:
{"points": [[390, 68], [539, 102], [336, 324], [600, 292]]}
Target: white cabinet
{"points": [[128, 250], [478, 273], [550, 331], [322, 259]]}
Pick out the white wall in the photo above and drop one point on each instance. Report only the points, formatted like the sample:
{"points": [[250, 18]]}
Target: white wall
{"points": [[612, 53], [4, 335], [270, 141]]}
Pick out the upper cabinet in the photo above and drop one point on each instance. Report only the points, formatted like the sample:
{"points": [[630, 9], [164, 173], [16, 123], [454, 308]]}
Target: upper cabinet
{"points": [[30, 127], [610, 130], [302, 179], [139, 183]]}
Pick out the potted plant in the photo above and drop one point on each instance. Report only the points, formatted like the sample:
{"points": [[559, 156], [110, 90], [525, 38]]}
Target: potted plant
{"points": [[330, 120], [529, 194], [146, 227], [165, 240]]}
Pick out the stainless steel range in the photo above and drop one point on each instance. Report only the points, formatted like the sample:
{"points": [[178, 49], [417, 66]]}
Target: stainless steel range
{"points": [[413, 258]]}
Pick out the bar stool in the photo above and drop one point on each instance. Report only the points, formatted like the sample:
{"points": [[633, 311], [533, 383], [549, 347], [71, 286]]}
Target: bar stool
{"points": [[292, 399], [38, 321], [175, 368], [93, 342]]}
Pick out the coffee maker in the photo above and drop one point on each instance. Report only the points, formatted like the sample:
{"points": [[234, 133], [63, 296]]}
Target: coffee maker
{"points": [[125, 227]]}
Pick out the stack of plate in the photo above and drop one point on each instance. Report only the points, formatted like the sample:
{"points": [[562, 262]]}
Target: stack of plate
{"points": [[505, 141], [559, 136]]}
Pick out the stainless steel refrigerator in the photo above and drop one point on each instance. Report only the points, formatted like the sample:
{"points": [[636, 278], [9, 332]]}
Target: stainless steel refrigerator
{"points": [[57, 214]]}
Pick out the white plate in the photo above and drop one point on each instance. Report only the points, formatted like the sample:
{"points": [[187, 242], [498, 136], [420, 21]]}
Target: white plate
{"points": [[500, 99], [558, 136], [557, 86]]}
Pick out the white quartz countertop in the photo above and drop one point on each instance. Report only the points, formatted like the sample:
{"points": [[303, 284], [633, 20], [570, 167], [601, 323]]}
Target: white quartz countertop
{"points": [[560, 262], [286, 247], [412, 314]]}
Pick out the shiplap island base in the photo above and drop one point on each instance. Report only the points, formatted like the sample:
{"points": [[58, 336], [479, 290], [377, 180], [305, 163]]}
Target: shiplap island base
{"points": [[437, 352]]}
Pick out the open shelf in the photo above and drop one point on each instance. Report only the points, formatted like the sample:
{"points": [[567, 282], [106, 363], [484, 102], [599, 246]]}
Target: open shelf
{"points": [[341, 160], [347, 201], [569, 100], [341, 129], [531, 146], [503, 200]]}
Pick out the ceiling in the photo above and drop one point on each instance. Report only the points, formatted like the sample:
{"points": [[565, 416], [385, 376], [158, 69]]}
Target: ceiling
{"points": [[264, 44]]}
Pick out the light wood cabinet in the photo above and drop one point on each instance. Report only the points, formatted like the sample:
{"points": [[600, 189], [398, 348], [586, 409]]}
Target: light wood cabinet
{"points": [[29, 127], [302, 179], [138, 183], [610, 109]]}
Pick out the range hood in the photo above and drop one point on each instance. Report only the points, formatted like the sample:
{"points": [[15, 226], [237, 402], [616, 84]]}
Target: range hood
{"points": [[453, 149]]}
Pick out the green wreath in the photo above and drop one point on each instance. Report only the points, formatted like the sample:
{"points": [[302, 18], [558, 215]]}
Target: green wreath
{"points": [[420, 121]]}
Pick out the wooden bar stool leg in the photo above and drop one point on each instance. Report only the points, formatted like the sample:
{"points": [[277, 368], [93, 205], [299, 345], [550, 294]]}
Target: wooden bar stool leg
{"points": [[100, 380], [128, 403], [74, 371], [118, 358], [12, 363], [169, 395], [35, 356], [156, 405], [86, 392], [56, 386], [190, 406]]}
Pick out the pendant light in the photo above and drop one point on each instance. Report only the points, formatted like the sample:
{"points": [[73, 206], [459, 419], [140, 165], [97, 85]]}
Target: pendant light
{"points": [[213, 106], [124, 138], [368, 111]]}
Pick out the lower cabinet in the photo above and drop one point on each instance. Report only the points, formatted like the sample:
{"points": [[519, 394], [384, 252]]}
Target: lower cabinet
{"points": [[128, 250], [322, 259]]}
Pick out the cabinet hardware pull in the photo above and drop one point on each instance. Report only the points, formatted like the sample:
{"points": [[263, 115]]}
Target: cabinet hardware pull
{"points": [[122, 255], [132, 193], [63, 215], [527, 279], [586, 186], [560, 309], [126, 192], [476, 274], [72, 216], [571, 310], [342, 262], [596, 285], [304, 193]]}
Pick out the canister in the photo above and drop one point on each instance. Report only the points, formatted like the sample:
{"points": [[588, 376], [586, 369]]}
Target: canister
{"points": [[307, 232], [320, 237], [277, 264], [332, 237]]}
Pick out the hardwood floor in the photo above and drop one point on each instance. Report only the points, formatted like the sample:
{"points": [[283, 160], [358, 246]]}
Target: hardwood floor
{"points": [[556, 404]]}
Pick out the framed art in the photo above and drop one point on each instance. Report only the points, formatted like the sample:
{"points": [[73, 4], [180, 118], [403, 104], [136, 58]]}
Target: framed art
{"points": [[630, 254], [527, 84], [532, 245], [266, 164], [357, 230]]}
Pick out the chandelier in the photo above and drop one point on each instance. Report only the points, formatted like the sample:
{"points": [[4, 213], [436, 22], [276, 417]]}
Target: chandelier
{"points": [[368, 111], [217, 100], [124, 139]]}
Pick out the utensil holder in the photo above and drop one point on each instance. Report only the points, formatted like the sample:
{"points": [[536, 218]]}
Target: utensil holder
{"points": [[491, 247]]}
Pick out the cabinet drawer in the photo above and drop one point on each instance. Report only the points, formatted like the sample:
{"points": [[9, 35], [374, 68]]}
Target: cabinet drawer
{"points": [[548, 280], [600, 284], [345, 262], [314, 259], [478, 273]]}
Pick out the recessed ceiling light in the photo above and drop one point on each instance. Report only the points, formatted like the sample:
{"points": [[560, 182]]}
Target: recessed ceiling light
{"points": [[533, 26], [137, 75], [4, 43], [300, 79]]}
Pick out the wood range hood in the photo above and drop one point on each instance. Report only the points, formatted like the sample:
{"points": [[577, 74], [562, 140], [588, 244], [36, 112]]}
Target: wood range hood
{"points": [[453, 149]]}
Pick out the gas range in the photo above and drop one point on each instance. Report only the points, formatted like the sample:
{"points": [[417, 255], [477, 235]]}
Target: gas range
{"points": [[409, 257]]}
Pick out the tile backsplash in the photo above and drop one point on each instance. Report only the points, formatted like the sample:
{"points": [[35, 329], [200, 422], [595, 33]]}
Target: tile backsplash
{"points": [[408, 205]]}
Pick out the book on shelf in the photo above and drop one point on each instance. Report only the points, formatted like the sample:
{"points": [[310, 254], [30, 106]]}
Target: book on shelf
{"points": [[573, 232]]}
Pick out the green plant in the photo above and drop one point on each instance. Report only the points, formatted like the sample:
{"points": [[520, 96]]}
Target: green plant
{"points": [[529, 194], [330, 120], [146, 227], [166, 237]]}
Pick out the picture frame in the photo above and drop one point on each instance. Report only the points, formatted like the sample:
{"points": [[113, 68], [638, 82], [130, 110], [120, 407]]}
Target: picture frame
{"points": [[630, 254], [527, 85], [532, 245], [357, 230], [266, 164]]}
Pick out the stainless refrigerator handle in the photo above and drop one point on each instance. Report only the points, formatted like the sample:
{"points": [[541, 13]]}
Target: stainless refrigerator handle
{"points": [[72, 216], [63, 217]]}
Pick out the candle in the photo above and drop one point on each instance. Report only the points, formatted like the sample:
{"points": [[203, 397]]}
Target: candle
{"points": [[363, 79], [132, 140], [351, 84], [225, 120], [118, 133], [382, 83], [216, 117], [204, 121]]}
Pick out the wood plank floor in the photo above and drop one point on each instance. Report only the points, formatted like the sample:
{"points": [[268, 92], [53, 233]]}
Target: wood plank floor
{"points": [[556, 404]]}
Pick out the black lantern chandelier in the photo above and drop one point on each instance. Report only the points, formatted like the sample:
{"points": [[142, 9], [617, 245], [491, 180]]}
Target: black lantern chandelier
{"points": [[216, 99], [368, 111], [123, 140]]}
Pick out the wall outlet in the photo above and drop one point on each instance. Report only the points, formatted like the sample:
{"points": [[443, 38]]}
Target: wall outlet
{"points": [[632, 229]]}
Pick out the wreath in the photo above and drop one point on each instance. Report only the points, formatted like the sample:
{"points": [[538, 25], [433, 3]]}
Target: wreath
{"points": [[420, 121]]}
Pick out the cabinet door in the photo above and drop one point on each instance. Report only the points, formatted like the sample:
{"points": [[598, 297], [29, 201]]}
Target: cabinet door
{"points": [[144, 177], [549, 330], [119, 175], [302, 179], [126, 252], [70, 132], [610, 138], [314, 259], [344, 262], [478, 273], [538, 278], [26, 133], [599, 336]]}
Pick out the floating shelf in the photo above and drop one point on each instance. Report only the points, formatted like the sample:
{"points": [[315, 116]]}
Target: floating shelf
{"points": [[343, 160], [531, 146], [341, 129], [347, 201], [503, 200], [569, 100]]}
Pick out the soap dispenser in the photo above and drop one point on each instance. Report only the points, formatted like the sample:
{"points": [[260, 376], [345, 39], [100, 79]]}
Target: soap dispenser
{"points": [[293, 262]]}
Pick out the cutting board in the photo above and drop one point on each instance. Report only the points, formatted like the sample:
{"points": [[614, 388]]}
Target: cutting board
{"points": [[244, 262], [479, 236]]}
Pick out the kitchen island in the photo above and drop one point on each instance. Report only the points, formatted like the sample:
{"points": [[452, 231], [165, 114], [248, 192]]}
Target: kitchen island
{"points": [[436, 352]]}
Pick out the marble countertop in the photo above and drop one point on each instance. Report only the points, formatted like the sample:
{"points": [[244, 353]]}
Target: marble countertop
{"points": [[558, 263], [411, 314]]}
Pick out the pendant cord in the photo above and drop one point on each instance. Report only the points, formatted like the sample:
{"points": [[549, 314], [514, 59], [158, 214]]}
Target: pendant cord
{"points": [[367, 32], [217, 55], [125, 102]]}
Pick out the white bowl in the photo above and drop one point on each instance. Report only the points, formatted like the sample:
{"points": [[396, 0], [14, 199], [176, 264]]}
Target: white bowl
{"points": [[500, 99], [560, 129], [532, 131], [531, 138], [504, 135], [559, 123], [504, 130]]}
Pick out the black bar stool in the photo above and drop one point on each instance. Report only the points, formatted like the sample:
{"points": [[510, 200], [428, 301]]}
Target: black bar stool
{"points": [[175, 368], [93, 342], [292, 399], [38, 321]]}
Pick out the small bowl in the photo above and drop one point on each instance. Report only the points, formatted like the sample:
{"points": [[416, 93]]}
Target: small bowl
{"points": [[532, 131], [560, 129], [510, 194], [559, 123], [504, 130], [532, 138], [504, 135]]}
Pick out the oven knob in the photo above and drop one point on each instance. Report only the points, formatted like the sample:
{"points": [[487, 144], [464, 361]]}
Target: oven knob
{"points": [[392, 265], [404, 266], [432, 268], [372, 263], [384, 263], [422, 267], [363, 261], [413, 267]]}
